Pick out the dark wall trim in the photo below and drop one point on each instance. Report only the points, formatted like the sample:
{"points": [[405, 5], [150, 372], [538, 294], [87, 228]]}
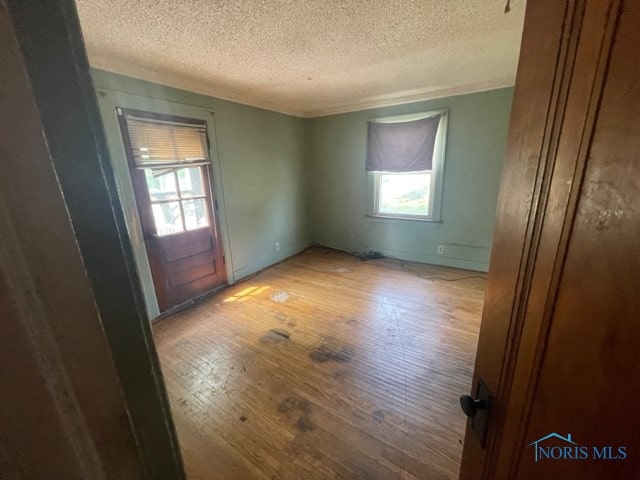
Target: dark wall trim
{"points": [[51, 42]]}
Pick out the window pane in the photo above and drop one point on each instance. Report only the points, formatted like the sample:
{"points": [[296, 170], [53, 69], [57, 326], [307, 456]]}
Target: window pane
{"points": [[404, 194], [190, 180], [167, 217], [161, 183], [195, 213]]}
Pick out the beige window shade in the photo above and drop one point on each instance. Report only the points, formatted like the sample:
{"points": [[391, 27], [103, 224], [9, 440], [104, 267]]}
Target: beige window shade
{"points": [[159, 143]]}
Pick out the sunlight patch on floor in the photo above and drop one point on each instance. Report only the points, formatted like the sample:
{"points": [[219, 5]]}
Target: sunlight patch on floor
{"points": [[246, 294]]}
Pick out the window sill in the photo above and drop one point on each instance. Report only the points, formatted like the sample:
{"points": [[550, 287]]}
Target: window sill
{"points": [[386, 218]]}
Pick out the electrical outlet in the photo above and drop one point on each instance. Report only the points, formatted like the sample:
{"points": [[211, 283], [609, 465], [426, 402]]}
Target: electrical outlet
{"points": [[440, 249], [277, 246]]}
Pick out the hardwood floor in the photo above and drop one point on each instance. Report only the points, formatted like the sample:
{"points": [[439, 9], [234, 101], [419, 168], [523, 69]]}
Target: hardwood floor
{"points": [[325, 367]]}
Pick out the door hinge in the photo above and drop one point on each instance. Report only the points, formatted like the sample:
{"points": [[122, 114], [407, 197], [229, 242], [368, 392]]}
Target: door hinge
{"points": [[215, 204], [224, 260]]}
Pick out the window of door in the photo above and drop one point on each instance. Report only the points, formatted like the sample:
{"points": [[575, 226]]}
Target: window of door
{"points": [[178, 199]]}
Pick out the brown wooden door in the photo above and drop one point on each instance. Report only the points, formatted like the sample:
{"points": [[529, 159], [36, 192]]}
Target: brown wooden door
{"points": [[177, 214], [559, 345]]}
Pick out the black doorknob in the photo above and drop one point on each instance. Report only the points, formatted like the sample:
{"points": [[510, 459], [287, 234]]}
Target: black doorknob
{"points": [[470, 405]]}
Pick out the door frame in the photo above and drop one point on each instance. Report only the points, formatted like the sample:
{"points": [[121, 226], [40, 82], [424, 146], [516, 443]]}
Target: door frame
{"points": [[109, 100], [59, 76], [556, 101]]}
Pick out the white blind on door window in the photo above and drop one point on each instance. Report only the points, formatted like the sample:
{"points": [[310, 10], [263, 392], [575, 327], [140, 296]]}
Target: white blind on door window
{"points": [[157, 143]]}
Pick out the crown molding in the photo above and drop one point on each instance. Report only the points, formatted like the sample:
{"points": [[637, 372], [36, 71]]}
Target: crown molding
{"points": [[201, 87], [408, 97], [189, 84]]}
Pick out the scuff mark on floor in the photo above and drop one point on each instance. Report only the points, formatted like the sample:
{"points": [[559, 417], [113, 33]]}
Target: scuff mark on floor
{"points": [[305, 424], [275, 335], [281, 317], [291, 404], [331, 349], [339, 376], [297, 403], [378, 415]]}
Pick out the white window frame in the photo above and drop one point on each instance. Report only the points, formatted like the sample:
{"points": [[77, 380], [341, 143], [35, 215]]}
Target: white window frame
{"points": [[437, 170]]}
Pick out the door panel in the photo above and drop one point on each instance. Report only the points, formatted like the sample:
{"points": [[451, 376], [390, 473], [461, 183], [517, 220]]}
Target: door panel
{"points": [[178, 220], [588, 378], [190, 268], [180, 246], [564, 357]]}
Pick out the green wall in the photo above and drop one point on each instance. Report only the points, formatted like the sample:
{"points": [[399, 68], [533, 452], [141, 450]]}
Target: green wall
{"points": [[300, 181], [260, 165], [339, 188]]}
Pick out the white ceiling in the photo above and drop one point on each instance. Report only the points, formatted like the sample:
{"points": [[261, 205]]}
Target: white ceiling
{"points": [[308, 58]]}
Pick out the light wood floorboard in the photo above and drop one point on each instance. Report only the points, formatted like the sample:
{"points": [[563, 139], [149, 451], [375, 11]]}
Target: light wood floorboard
{"points": [[325, 367]]}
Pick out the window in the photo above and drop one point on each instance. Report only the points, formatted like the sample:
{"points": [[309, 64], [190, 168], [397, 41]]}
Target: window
{"points": [[405, 160], [404, 193]]}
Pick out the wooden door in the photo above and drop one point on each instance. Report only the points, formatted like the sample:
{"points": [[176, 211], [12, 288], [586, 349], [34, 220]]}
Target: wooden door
{"points": [[176, 204], [559, 346]]}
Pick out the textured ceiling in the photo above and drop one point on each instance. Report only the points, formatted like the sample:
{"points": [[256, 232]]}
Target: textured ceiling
{"points": [[308, 58]]}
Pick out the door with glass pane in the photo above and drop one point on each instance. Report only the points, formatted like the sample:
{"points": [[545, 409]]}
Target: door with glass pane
{"points": [[170, 170]]}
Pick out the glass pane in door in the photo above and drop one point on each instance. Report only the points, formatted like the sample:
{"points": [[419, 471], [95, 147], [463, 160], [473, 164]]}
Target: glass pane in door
{"points": [[190, 181], [161, 183], [168, 218], [195, 213]]}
